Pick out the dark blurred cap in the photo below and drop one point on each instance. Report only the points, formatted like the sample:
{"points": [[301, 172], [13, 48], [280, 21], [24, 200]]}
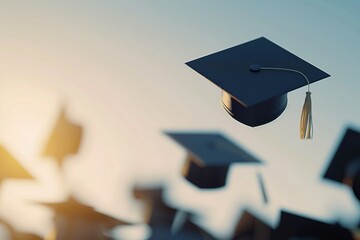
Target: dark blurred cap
{"points": [[209, 157]]}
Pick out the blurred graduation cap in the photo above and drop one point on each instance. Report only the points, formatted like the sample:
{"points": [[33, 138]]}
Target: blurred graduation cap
{"points": [[345, 164], [293, 226], [251, 96], [166, 222], [188, 230], [10, 167], [64, 140], [76, 221], [157, 212], [250, 227], [209, 157]]}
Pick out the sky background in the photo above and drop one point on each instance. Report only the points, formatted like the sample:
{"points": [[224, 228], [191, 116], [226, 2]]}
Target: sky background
{"points": [[118, 68]]}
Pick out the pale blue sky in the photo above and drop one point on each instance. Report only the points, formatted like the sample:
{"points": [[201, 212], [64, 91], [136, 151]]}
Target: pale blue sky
{"points": [[119, 68]]}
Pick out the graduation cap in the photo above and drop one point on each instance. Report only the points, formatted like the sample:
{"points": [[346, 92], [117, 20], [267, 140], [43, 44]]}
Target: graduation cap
{"points": [[345, 164], [251, 227], [162, 218], [188, 230], [10, 167], [209, 157], [196, 230], [252, 96], [356, 184], [76, 221], [64, 140], [293, 226], [157, 212]]}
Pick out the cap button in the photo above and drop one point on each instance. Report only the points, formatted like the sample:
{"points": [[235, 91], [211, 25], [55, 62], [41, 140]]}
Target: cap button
{"points": [[255, 67]]}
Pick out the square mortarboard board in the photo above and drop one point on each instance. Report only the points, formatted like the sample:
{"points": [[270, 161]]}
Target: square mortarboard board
{"points": [[209, 157], [345, 165], [293, 226], [251, 96]]}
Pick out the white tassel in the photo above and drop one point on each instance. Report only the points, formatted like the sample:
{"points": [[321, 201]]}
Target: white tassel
{"points": [[306, 125]]}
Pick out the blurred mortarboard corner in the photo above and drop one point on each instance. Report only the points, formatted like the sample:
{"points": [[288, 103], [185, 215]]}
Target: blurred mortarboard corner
{"points": [[345, 164], [252, 97], [76, 221], [250, 227], [293, 226], [209, 157], [166, 222], [64, 139], [10, 167], [157, 212]]}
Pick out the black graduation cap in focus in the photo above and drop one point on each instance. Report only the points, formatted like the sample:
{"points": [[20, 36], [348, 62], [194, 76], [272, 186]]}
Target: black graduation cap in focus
{"points": [[209, 157], [251, 96], [293, 226], [345, 165]]}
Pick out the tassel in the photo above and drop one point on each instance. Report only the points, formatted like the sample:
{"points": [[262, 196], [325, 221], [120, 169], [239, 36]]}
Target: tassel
{"points": [[306, 125]]}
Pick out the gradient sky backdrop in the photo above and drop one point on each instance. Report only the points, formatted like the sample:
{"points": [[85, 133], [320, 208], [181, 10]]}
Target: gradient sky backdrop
{"points": [[118, 67]]}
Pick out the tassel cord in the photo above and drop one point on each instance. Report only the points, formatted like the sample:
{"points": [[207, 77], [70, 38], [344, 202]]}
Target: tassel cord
{"points": [[306, 124], [289, 70]]}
